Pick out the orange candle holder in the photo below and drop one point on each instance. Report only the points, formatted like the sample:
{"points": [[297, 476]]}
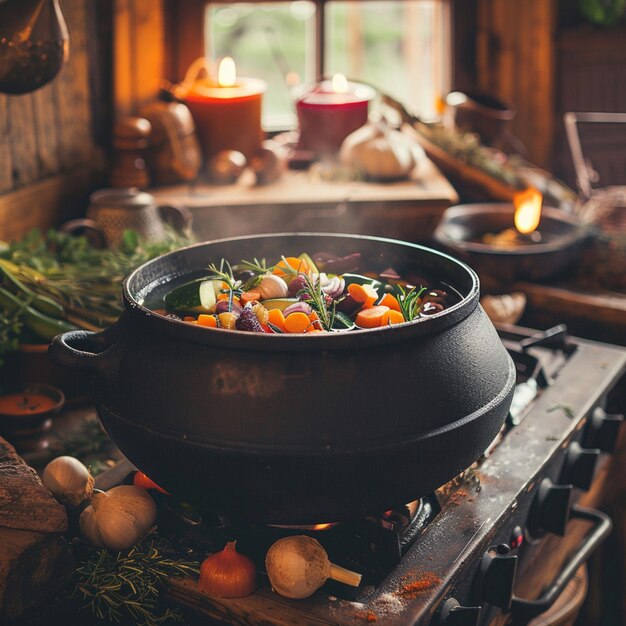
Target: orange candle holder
{"points": [[227, 118]]}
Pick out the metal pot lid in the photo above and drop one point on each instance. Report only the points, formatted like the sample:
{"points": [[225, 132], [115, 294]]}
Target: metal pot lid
{"points": [[130, 198]]}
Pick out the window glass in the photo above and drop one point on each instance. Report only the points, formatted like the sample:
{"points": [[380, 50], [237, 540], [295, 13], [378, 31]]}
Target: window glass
{"points": [[274, 41], [398, 46]]}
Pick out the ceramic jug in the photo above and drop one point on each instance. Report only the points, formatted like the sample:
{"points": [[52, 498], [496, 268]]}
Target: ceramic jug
{"points": [[117, 210], [34, 44]]}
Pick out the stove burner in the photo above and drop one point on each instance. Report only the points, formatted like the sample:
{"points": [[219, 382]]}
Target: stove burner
{"points": [[306, 527]]}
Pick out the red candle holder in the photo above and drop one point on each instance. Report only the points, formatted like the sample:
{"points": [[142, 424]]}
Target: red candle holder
{"points": [[326, 117]]}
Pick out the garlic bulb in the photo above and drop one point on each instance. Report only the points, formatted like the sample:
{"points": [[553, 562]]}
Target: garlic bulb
{"points": [[68, 479], [272, 286], [118, 518], [504, 309], [227, 574], [298, 566], [379, 152]]}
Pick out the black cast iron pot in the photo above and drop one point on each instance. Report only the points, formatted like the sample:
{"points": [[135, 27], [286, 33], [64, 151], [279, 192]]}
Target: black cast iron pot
{"points": [[297, 429]]}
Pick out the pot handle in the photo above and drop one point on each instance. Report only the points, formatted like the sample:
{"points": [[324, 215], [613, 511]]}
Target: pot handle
{"points": [[83, 349], [524, 610], [178, 216]]}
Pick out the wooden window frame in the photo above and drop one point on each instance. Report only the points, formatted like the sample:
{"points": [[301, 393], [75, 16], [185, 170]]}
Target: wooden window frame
{"points": [[184, 34]]}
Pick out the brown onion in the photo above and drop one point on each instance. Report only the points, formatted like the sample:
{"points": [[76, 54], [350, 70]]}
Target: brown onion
{"points": [[227, 574]]}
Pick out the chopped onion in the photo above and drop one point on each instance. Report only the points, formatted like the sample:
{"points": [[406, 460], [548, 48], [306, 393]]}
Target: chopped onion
{"points": [[301, 307]]}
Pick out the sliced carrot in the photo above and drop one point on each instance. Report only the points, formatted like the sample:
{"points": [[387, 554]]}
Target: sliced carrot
{"points": [[363, 293], [392, 317], [249, 296], [300, 265], [316, 324], [207, 320], [391, 301], [371, 317], [189, 318], [297, 322], [276, 317]]}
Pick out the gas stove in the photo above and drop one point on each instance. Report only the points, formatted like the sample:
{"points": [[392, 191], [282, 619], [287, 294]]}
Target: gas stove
{"points": [[459, 555]]}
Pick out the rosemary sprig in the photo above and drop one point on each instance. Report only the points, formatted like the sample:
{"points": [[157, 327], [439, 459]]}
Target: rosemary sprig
{"points": [[318, 301], [124, 587], [258, 268], [410, 303], [225, 273]]}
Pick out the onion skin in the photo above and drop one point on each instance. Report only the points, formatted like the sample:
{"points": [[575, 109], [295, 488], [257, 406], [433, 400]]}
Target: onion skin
{"points": [[227, 574], [301, 307]]}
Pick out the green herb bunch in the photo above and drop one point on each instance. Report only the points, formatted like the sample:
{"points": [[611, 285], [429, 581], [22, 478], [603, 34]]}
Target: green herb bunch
{"points": [[55, 282]]}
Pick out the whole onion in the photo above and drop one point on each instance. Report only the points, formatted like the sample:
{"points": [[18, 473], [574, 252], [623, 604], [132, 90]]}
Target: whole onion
{"points": [[301, 307]]}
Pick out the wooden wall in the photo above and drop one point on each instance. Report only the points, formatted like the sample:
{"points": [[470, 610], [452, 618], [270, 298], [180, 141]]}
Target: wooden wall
{"points": [[516, 62], [138, 52], [47, 154]]}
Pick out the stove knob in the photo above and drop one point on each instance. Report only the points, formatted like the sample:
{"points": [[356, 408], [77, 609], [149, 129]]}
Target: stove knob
{"points": [[550, 509], [602, 430], [453, 614], [579, 466], [497, 576]]}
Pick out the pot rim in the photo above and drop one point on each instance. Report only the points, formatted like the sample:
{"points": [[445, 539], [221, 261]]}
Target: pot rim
{"points": [[236, 339], [577, 233]]}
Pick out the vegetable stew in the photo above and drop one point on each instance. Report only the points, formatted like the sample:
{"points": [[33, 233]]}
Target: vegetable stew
{"points": [[302, 295]]}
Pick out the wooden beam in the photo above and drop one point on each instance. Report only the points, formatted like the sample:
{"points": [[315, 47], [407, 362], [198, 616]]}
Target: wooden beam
{"points": [[515, 62], [139, 52], [184, 36]]}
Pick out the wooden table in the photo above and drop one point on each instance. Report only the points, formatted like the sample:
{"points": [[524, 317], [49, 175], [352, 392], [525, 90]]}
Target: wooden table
{"points": [[302, 201]]}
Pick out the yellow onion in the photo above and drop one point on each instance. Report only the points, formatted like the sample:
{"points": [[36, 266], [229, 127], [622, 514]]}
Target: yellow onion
{"points": [[118, 518], [68, 479], [227, 574]]}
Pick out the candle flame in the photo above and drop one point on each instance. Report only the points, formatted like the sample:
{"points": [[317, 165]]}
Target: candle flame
{"points": [[527, 210], [322, 526], [227, 73], [339, 83]]}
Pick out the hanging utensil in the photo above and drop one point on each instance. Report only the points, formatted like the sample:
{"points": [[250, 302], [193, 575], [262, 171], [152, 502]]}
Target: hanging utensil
{"points": [[34, 44]]}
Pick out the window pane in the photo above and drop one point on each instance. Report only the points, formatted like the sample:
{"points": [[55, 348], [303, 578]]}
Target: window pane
{"points": [[399, 47], [271, 41]]}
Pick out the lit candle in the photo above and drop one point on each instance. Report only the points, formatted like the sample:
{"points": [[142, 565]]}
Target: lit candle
{"points": [[527, 210], [329, 112], [227, 112], [527, 217]]}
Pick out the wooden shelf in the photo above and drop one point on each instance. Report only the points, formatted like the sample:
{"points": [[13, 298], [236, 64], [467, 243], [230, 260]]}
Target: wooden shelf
{"points": [[301, 201]]}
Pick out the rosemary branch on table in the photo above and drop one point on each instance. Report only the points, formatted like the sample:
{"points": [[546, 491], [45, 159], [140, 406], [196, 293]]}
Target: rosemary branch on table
{"points": [[124, 587]]}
